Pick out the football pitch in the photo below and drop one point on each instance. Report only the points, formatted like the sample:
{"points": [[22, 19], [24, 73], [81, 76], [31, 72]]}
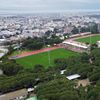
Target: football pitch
{"points": [[92, 39], [45, 58]]}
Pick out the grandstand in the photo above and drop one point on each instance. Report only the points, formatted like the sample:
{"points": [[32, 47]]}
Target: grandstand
{"points": [[76, 46], [81, 34], [82, 42]]}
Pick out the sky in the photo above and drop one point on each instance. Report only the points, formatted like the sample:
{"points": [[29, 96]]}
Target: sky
{"points": [[35, 6]]}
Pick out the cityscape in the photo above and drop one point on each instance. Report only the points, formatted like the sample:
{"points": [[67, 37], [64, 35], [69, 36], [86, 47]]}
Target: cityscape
{"points": [[50, 52]]}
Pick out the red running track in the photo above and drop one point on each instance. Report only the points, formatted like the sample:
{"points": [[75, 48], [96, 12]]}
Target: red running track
{"points": [[34, 52]]}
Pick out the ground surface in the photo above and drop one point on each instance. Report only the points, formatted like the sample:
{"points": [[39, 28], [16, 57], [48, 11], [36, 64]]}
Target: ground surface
{"points": [[15, 53], [21, 54], [90, 39], [42, 58], [84, 82]]}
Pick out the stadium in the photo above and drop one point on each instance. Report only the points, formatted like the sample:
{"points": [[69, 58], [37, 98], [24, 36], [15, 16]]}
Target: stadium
{"points": [[46, 56], [82, 42]]}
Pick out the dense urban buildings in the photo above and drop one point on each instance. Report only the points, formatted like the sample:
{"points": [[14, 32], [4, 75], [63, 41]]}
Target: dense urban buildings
{"points": [[39, 52]]}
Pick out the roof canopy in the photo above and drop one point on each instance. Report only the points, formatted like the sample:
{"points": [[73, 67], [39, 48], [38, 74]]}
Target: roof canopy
{"points": [[77, 45], [71, 77]]}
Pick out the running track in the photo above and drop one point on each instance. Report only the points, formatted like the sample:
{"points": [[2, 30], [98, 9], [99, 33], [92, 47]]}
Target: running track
{"points": [[34, 52]]}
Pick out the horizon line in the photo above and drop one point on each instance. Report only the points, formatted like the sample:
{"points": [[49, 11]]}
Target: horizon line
{"points": [[57, 11]]}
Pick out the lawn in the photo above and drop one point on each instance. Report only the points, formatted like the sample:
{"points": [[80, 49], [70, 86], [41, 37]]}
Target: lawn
{"points": [[42, 58], [92, 39]]}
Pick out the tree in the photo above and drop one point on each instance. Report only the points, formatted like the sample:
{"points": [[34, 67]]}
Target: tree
{"points": [[10, 68], [33, 44], [48, 33], [60, 63], [75, 30], [93, 28], [58, 89], [38, 68], [10, 50], [85, 57]]}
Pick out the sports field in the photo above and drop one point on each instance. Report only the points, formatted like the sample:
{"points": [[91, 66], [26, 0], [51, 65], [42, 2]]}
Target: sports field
{"points": [[92, 39], [42, 58]]}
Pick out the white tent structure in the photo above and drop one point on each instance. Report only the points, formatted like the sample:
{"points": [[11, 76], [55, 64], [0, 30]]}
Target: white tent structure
{"points": [[72, 77], [62, 72]]}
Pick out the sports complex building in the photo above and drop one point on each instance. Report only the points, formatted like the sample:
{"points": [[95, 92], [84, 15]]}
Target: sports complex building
{"points": [[76, 46]]}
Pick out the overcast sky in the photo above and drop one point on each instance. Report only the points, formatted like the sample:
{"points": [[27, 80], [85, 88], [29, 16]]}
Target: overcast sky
{"points": [[31, 6]]}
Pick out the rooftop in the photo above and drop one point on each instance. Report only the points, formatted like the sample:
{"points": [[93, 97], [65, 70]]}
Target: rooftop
{"points": [[71, 77], [75, 44]]}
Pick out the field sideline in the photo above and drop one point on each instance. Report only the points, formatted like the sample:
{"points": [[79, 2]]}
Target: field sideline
{"points": [[42, 58]]}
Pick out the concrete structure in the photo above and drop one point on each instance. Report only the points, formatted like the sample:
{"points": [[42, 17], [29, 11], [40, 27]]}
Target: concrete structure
{"points": [[98, 44], [30, 90], [84, 82], [1, 55], [1, 72], [3, 51], [76, 46], [17, 95], [81, 34], [62, 72], [72, 77]]}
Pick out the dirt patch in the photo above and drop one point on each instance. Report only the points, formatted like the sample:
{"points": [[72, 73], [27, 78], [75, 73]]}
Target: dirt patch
{"points": [[84, 82]]}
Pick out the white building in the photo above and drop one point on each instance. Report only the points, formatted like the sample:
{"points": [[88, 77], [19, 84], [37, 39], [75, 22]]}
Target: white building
{"points": [[98, 44], [1, 72], [76, 46], [72, 77]]}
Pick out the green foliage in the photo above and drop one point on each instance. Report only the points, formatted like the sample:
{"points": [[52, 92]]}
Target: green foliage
{"points": [[58, 89], [75, 30], [94, 28], [38, 43], [10, 68], [33, 44], [51, 85], [19, 81]]}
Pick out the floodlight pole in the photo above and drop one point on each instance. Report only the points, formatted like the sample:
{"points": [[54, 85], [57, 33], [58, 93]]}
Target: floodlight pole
{"points": [[90, 33], [79, 34], [49, 59], [90, 37]]}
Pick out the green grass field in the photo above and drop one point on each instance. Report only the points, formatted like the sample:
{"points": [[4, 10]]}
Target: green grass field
{"points": [[42, 58], [93, 39]]}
